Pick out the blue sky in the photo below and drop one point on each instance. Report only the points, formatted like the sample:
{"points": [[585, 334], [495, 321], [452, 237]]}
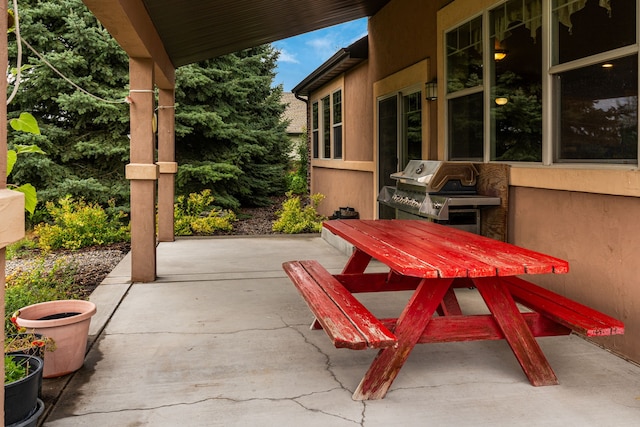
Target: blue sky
{"points": [[302, 54]]}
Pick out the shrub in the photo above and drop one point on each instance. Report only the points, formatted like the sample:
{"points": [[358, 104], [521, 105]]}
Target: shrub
{"points": [[41, 282], [17, 249], [79, 224], [293, 218], [297, 177], [196, 215], [296, 183]]}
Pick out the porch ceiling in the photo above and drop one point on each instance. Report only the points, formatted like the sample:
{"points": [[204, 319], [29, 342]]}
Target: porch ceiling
{"points": [[192, 31]]}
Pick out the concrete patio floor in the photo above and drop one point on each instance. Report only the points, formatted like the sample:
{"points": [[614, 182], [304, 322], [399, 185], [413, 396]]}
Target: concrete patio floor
{"points": [[222, 339]]}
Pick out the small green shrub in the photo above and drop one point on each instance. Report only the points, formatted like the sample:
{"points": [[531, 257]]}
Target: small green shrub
{"points": [[77, 224], [296, 183], [41, 282], [297, 177], [196, 215], [15, 250], [293, 218]]}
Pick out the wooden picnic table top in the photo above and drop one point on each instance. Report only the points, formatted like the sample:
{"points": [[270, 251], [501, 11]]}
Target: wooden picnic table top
{"points": [[428, 250]]}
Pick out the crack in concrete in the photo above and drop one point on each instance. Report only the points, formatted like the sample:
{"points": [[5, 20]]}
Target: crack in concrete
{"points": [[191, 332], [227, 399], [328, 368]]}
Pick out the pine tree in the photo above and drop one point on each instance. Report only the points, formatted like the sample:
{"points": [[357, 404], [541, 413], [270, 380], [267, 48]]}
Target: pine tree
{"points": [[85, 139], [230, 135]]}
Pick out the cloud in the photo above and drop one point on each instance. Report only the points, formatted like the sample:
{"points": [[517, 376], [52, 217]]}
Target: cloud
{"points": [[324, 47], [286, 56]]}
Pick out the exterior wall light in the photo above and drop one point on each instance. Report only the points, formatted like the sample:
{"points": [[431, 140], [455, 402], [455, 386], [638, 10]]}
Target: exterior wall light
{"points": [[431, 90], [499, 54], [501, 100]]}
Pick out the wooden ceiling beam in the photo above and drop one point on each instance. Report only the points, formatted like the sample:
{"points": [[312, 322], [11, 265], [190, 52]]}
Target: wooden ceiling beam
{"points": [[129, 23]]}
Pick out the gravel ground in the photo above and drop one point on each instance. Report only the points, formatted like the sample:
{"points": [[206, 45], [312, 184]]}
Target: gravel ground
{"points": [[93, 264]]}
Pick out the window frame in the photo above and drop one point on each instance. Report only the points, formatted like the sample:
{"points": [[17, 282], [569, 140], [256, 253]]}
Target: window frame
{"points": [[324, 127], [550, 89]]}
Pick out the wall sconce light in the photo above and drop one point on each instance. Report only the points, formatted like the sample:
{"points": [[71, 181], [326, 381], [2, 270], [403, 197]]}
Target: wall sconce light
{"points": [[431, 90], [502, 100], [499, 54]]}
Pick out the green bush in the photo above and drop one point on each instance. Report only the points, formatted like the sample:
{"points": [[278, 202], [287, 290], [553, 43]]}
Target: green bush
{"points": [[296, 183], [297, 177], [37, 284], [293, 218], [77, 224], [196, 215]]}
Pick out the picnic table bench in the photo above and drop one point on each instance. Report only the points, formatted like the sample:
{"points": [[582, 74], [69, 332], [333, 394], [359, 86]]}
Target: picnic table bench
{"points": [[432, 260]]}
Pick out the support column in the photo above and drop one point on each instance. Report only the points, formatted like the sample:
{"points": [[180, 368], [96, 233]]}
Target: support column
{"points": [[167, 165], [142, 171]]}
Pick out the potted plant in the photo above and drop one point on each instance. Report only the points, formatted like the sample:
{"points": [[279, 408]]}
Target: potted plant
{"points": [[22, 380], [20, 340], [67, 323]]}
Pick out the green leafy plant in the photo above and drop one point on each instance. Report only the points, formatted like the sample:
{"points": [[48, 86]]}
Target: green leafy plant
{"points": [[196, 215], [78, 224], [25, 123], [38, 283], [297, 177], [293, 218], [14, 370], [21, 247]]}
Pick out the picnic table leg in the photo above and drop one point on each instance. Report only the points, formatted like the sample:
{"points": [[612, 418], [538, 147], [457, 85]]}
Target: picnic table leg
{"points": [[411, 324], [357, 263], [516, 332], [450, 305]]}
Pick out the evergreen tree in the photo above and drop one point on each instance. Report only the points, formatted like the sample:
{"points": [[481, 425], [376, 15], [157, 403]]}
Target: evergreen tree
{"points": [[230, 135], [85, 139]]}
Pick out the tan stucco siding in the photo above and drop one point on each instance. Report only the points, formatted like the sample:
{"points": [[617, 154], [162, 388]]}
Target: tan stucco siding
{"points": [[599, 236], [344, 188], [401, 36], [358, 120]]}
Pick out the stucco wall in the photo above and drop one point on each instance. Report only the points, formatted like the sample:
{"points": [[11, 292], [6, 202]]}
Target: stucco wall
{"points": [[358, 120], [344, 188], [400, 35], [600, 237]]}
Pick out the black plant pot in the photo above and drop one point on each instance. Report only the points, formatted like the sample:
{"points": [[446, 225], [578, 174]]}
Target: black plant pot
{"points": [[21, 397]]}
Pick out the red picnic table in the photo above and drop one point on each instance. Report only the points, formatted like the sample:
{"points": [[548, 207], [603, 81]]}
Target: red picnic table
{"points": [[432, 260]]}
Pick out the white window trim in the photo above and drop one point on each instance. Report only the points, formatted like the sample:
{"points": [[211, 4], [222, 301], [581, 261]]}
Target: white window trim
{"points": [[318, 99]]}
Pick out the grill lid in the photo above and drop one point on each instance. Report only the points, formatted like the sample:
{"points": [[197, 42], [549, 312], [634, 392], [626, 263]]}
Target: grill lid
{"points": [[434, 174]]}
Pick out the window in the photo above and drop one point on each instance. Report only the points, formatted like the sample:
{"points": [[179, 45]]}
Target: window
{"points": [[337, 124], [327, 126], [516, 81], [496, 71], [596, 77], [315, 132], [464, 88]]}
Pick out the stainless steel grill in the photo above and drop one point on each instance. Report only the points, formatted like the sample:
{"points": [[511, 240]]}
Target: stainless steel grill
{"points": [[443, 192]]}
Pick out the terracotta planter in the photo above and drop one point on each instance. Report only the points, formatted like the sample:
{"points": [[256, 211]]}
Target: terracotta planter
{"points": [[67, 322], [21, 397]]}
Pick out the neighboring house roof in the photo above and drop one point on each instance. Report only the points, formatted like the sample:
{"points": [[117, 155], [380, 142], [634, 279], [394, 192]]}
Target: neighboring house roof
{"points": [[296, 113], [343, 60]]}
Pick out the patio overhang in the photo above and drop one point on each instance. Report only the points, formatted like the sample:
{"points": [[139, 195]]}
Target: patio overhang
{"points": [[160, 36], [184, 32]]}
